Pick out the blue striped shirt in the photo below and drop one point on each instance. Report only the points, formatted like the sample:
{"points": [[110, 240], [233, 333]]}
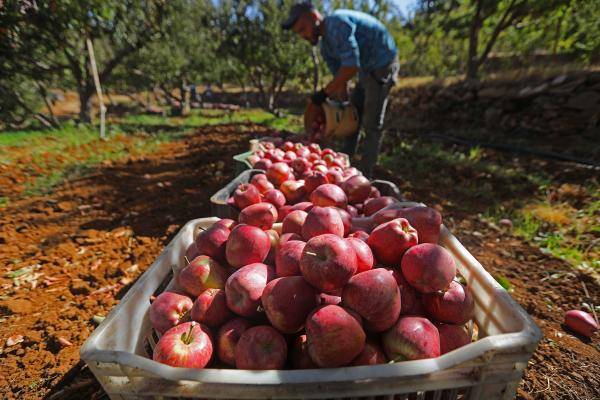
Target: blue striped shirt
{"points": [[356, 39]]}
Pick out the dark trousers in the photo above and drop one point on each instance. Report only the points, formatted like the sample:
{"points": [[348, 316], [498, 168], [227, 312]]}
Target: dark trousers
{"points": [[370, 97]]}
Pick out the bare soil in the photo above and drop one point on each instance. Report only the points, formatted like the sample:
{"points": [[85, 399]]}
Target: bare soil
{"points": [[86, 244]]}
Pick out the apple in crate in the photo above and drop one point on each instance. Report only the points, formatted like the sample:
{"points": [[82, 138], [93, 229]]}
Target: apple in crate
{"points": [[335, 336], [364, 255], [201, 274], [329, 195], [293, 222], [261, 215], [287, 257], [261, 182], [276, 198], [263, 163], [372, 354], [261, 347], [168, 310], [227, 338], [425, 220], [211, 242], [314, 180], [328, 262], [210, 308], [278, 173], [373, 205], [293, 190], [244, 288], [245, 195], [452, 337], [412, 338], [428, 267], [247, 244], [187, 345], [288, 301], [322, 220], [454, 305], [375, 296], [357, 188], [389, 241]]}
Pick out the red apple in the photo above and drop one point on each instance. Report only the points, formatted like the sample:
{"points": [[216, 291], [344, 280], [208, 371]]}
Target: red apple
{"points": [[372, 354], [581, 322], [314, 148], [201, 274], [247, 244], [314, 180], [302, 206], [287, 259], [320, 168], [374, 193], [289, 156], [169, 309], [390, 241], [283, 212], [364, 256], [425, 220], [361, 235], [335, 337], [303, 152], [288, 301], [210, 308], [263, 163], [328, 262], [353, 211], [412, 338], [227, 339], [274, 238], [293, 222], [244, 288], [452, 337], [346, 220], [410, 303], [286, 237], [301, 165], [253, 159], [260, 347], [330, 299], [357, 188], [373, 205], [334, 176], [322, 220], [428, 267], [329, 195], [278, 172], [261, 183], [245, 195], [455, 305], [186, 345], [261, 215], [212, 241], [293, 190], [375, 296], [191, 252], [274, 197]]}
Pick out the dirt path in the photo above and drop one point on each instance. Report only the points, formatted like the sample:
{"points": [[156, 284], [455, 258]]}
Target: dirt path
{"points": [[81, 248]]}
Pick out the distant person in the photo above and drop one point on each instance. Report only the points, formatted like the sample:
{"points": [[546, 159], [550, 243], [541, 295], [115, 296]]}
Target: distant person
{"points": [[353, 43]]}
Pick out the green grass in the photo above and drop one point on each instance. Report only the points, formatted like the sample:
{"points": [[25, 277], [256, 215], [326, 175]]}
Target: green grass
{"points": [[199, 118], [49, 157], [476, 181]]}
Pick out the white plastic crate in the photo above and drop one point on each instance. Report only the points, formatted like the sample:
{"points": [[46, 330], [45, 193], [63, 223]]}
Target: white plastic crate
{"points": [[118, 351]]}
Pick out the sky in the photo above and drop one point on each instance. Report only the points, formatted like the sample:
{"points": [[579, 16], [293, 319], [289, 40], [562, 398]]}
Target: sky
{"points": [[405, 6]]}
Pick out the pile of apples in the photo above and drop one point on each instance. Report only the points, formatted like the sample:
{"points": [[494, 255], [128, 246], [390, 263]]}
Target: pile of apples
{"points": [[346, 277]]}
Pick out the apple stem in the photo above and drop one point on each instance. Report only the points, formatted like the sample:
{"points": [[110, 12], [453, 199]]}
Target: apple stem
{"points": [[187, 338], [310, 253], [187, 260]]}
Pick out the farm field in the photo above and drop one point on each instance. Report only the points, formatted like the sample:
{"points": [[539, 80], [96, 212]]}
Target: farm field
{"points": [[77, 234]]}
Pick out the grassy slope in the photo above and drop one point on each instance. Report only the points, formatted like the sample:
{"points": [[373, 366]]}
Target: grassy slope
{"points": [[49, 157]]}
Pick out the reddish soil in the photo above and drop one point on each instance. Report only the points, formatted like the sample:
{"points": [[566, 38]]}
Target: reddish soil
{"points": [[92, 238]]}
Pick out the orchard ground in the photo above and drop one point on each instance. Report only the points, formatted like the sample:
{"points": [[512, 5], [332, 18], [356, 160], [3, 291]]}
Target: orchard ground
{"points": [[81, 219]]}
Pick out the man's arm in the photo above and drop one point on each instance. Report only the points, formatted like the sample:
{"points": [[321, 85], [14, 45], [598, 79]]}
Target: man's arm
{"points": [[349, 58]]}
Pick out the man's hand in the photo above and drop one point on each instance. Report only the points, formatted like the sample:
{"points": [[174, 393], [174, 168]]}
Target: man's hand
{"points": [[318, 98]]}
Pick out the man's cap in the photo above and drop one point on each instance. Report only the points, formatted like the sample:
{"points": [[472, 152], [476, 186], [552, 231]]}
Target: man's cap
{"points": [[295, 12]]}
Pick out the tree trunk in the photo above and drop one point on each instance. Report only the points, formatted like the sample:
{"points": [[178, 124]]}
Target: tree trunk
{"points": [[473, 59], [85, 105]]}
